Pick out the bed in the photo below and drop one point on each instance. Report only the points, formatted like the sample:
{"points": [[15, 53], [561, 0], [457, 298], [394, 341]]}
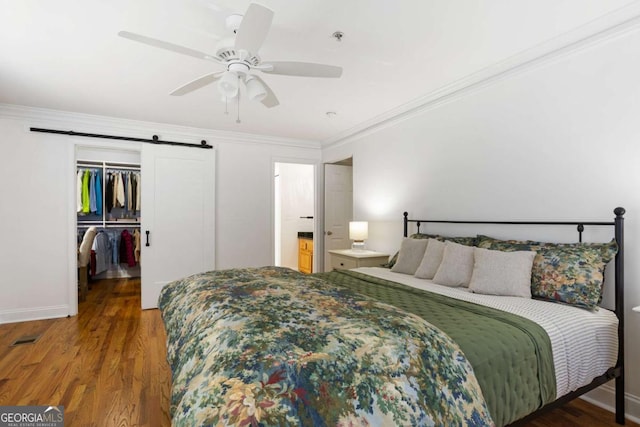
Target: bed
{"points": [[374, 346]]}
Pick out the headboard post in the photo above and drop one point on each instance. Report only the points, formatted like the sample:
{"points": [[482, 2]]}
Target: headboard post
{"points": [[619, 304], [580, 230], [406, 224]]}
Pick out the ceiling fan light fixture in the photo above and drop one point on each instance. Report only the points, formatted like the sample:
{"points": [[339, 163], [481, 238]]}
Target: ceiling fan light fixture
{"points": [[228, 84], [255, 90]]}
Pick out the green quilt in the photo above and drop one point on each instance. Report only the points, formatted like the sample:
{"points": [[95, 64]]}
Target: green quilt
{"points": [[511, 356], [273, 347]]}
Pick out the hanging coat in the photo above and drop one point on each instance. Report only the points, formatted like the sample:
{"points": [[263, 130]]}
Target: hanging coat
{"points": [[85, 192], [126, 249]]}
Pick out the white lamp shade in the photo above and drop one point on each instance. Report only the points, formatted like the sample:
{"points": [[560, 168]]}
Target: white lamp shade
{"points": [[228, 84], [358, 230], [255, 89]]}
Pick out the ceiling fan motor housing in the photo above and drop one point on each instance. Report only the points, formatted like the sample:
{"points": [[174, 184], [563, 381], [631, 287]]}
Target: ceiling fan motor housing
{"points": [[238, 67], [226, 52]]}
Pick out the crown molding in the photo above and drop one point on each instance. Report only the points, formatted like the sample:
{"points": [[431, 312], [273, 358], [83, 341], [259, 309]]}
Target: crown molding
{"points": [[81, 122], [610, 26]]}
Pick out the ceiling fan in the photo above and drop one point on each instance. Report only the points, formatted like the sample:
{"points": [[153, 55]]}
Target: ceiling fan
{"points": [[239, 56]]}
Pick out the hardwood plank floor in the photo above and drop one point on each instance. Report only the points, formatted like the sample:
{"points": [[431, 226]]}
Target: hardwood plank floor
{"points": [[107, 366]]}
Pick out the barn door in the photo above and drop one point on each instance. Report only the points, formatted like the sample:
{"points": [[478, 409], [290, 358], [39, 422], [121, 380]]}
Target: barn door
{"points": [[177, 216]]}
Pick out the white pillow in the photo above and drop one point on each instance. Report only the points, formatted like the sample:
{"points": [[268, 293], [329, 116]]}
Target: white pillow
{"points": [[456, 266], [431, 260], [410, 256], [502, 273]]}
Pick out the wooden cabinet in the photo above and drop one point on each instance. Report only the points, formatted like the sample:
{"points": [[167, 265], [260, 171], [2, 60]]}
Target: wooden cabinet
{"points": [[305, 256], [344, 259]]}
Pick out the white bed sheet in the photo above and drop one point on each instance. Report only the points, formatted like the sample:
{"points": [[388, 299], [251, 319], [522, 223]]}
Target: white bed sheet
{"points": [[584, 343]]}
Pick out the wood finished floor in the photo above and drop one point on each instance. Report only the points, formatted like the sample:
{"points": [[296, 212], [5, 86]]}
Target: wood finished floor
{"points": [[107, 366]]}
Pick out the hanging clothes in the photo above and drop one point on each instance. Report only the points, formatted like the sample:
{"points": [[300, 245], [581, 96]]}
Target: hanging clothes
{"points": [[108, 192], [119, 190], [126, 249], [123, 177], [136, 245], [92, 192], [85, 192], [114, 244], [102, 249], [79, 191], [133, 193], [137, 191], [98, 187], [115, 189], [130, 206]]}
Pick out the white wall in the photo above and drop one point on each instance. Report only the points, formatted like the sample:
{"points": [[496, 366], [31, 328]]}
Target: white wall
{"points": [[37, 199], [244, 199], [555, 141]]}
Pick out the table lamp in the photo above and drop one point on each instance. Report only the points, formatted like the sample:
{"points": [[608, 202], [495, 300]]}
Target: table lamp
{"points": [[358, 232]]}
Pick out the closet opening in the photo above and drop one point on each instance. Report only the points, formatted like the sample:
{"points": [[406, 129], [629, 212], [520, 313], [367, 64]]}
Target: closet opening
{"points": [[294, 215], [108, 214]]}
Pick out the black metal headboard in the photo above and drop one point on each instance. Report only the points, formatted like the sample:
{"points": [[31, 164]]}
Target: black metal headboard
{"points": [[616, 372]]}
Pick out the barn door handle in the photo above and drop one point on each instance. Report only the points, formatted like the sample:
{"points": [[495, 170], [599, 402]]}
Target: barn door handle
{"points": [[147, 233]]}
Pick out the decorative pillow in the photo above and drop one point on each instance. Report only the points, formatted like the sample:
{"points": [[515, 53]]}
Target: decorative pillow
{"points": [[431, 260], [392, 261], [456, 266], [468, 241], [410, 256], [502, 273], [563, 272]]}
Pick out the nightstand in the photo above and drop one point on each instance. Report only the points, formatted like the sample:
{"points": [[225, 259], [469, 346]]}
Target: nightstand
{"points": [[344, 259]]}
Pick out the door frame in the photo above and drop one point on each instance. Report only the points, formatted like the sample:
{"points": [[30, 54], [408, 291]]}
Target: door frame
{"points": [[317, 216], [72, 217]]}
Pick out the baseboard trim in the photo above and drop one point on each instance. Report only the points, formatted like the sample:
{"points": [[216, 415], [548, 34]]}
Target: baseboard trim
{"points": [[604, 397], [28, 314]]}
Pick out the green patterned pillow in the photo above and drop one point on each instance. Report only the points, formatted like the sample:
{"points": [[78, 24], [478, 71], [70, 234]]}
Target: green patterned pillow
{"points": [[392, 261], [562, 272], [467, 241]]}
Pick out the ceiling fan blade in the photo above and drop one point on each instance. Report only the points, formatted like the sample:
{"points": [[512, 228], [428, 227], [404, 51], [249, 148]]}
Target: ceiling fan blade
{"points": [[270, 100], [254, 28], [303, 69], [168, 46], [198, 83]]}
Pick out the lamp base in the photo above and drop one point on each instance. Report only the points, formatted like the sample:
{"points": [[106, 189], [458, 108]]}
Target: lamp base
{"points": [[357, 245]]}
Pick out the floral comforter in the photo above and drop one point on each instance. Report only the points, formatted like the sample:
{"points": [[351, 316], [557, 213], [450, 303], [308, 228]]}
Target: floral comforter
{"points": [[272, 347]]}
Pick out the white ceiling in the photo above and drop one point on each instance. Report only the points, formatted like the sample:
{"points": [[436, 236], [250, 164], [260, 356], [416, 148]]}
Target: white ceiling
{"points": [[66, 55]]}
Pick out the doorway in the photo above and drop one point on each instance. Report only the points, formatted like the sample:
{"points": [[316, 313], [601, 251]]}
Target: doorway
{"points": [[294, 211], [107, 227], [338, 206]]}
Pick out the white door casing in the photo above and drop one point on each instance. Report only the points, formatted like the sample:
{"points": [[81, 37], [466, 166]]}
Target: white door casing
{"points": [[338, 208], [178, 196]]}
